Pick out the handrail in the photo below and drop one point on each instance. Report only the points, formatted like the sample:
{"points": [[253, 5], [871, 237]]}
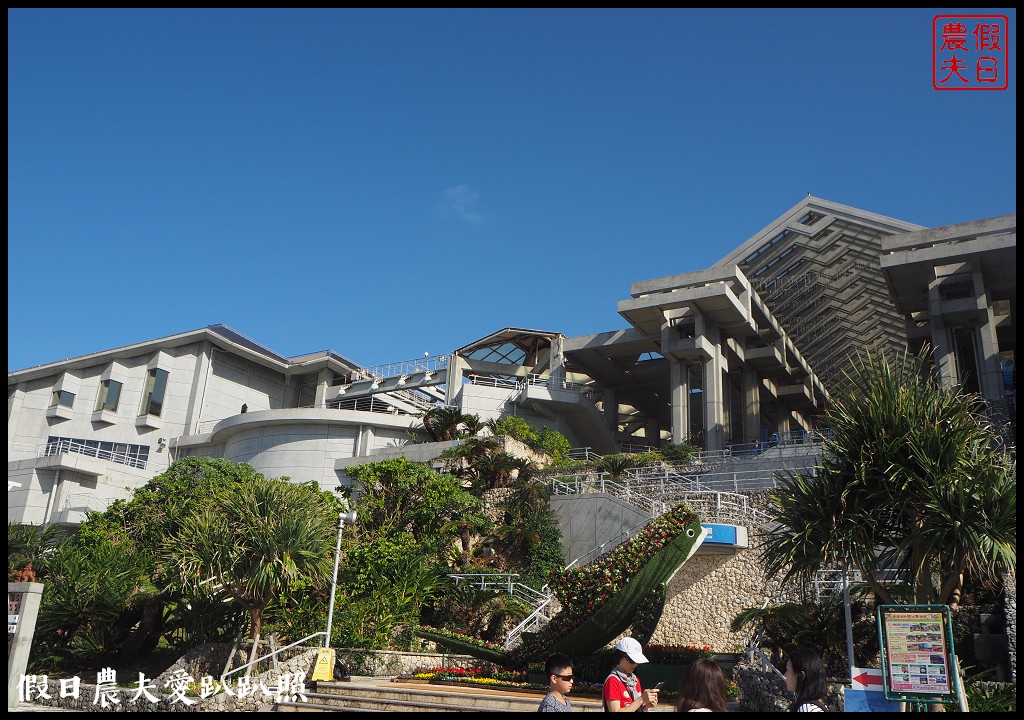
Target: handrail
{"points": [[60, 447], [503, 582], [274, 653]]}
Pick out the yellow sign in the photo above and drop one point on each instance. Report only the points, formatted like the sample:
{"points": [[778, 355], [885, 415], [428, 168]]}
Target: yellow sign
{"points": [[324, 668]]}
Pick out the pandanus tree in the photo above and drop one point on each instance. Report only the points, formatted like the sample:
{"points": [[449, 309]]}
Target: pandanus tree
{"points": [[255, 540], [912, 478]]}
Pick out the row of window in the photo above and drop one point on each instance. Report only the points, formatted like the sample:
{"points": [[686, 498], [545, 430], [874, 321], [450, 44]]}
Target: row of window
{"points": [[124, 453], [110, 394]]}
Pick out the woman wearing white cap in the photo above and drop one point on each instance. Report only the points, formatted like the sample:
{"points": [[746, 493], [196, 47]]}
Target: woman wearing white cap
{"points": [[622, 691]]}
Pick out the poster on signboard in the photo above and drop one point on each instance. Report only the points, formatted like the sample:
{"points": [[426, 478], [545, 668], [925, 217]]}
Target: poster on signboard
{"points": [[917, 652]]}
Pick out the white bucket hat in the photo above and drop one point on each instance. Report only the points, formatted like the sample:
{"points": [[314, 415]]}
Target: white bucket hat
{"points": [[632, 648]]}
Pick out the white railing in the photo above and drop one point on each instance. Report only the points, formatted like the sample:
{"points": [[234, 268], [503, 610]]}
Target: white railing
{"points": [[368, 404], [585, 454], [84, 502], [630, 448], [428, 364], [555, 383], [271, 655], [493, 381], [502, 582], [67, 446]]}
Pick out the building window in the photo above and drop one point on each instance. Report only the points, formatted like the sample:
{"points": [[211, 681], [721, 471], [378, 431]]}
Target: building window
{"points": [[132, 455], [153, 397], [110, 393], [62, 398]]}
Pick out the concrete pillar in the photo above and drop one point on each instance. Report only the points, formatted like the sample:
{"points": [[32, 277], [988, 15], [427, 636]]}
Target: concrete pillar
{"points": [[714, 391], [751, 405], [679, 382], [453, 384], [611, 409], [942, 343], [991, 380], [23, 607], [200, 379], [323, 381]]}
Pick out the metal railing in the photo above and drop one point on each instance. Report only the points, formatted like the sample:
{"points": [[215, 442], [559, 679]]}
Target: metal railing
{"points": [[630, 448], [501, 582], [271, 655], [585, 454], [368, 404], [493, 381], [67, 446], [554, 383], [428, 364]]}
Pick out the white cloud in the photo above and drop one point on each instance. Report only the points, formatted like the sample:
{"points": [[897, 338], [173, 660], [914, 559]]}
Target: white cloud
{"points": [[462, 202]]}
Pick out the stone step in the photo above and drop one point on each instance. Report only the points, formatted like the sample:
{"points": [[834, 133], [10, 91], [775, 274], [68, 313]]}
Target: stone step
{"points": [[382, 695]]}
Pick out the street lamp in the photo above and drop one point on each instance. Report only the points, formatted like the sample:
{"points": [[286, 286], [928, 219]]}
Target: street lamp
{"points": [[343, 519]]}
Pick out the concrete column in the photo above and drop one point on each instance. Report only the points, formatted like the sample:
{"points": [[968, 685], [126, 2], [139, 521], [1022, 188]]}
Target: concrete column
{"points": [[323, 381], [751, 405], [714, 392], [14, 412], [991, 380], [611, 409], [679, 383], [27, 596], [652, 431], [200, 379], [453, 385], [942, 343]]}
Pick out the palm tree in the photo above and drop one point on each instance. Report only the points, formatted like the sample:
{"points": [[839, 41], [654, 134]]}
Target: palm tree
{"points": [[472, 425], [466, 526], [442, 423], [28, 546], [912, 478], [255, 541], [495, 470], [615, 465]]}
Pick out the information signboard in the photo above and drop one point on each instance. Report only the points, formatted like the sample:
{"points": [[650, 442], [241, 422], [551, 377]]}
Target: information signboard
{"points": [[918, 661]]}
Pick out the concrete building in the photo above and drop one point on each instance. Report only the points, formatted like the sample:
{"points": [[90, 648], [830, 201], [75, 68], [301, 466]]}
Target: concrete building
{"points": [[732, 354]]}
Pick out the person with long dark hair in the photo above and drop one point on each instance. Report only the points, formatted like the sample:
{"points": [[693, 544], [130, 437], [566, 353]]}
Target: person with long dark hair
{"points": [[703, 688], [805, 678]]}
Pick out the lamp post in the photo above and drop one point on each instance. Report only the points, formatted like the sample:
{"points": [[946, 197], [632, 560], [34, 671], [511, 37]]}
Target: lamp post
{"points": [[343, 518]]}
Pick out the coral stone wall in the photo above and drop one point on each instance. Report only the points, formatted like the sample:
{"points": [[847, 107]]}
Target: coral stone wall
{"points": [[709, 590]]}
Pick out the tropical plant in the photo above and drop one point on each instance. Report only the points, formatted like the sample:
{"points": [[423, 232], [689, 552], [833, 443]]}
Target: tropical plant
{"points": [[472, 425], [28, 545], [442, 423], [255, 540], [615, 465], [467, 526], [678, 453], [400, 496], [818, 624], [911, 479]]}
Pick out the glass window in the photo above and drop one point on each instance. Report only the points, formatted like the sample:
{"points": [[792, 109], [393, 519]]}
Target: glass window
{"points": [[110, 393], [153, 397], [62, 397]]}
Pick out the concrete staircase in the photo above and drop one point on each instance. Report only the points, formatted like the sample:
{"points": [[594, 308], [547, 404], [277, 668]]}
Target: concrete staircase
{"points": [[366, 694]]}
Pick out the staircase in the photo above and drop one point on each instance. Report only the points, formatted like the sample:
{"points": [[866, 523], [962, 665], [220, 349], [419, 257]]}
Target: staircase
{"points": [[368, 694]]}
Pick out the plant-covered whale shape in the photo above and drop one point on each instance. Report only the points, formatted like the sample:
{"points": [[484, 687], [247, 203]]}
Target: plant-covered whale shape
{"points": [[599, 601]]}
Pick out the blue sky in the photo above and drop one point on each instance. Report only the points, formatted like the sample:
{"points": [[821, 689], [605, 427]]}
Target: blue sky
{"points": [[384, 183]]}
